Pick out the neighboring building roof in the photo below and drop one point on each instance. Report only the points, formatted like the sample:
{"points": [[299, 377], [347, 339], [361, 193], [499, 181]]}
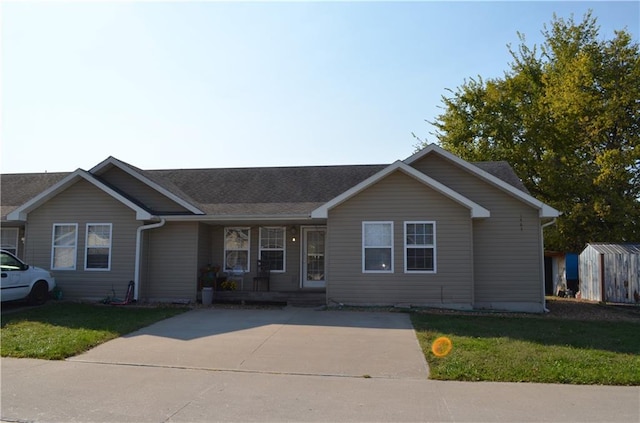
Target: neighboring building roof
{"points": [[612, 248], [18, 188], [240, 192], [503, 171]]}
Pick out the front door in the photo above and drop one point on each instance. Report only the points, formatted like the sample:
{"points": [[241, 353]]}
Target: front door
{"points": [[313, 257]]}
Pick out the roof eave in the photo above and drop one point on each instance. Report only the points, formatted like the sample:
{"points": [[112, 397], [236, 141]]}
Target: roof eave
{"points": [[238, 217]]}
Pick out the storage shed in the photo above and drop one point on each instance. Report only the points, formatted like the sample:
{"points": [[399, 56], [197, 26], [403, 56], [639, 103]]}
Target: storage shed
{"points": [[610, 272]]}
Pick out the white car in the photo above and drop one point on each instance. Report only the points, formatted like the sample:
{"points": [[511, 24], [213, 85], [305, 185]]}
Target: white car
{"points": [[22, 281]]}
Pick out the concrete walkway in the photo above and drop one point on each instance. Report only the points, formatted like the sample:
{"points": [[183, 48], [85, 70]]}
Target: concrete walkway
{"points": [[226, 365]]}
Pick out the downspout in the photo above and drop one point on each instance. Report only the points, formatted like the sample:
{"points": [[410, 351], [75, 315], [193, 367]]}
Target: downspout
{"points": [[553, 222], [136, 275]]}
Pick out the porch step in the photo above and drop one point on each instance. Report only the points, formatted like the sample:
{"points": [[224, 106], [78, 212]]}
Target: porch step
{"points": [[310, 299], [292, 298]]}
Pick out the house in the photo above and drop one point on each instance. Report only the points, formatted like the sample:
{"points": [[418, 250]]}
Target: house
{"points": [[610, 272], [432, 230]]}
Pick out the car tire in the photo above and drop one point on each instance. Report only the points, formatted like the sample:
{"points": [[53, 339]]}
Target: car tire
{"points": [[39, 293]]}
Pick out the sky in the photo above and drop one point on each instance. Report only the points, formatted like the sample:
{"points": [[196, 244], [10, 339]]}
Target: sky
{"points": [[169, 85]]}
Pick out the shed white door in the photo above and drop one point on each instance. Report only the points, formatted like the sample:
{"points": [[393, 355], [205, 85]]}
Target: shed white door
{"points": [[313, 257]]}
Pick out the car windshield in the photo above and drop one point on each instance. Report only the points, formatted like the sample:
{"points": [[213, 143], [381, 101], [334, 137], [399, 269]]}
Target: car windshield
{"points": [[10, 263]]}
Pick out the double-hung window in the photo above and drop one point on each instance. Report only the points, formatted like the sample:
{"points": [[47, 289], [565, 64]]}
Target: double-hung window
{"points": [[377, 247], [236, 248], [64, 241], [98, 246], [420, 247], [272, 247]]}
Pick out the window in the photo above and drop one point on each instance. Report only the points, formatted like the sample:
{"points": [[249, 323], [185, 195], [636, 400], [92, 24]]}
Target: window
{"points": [[377, 246], [63, 246], [420, 246], [272, 247], [98, 247], [236, 248], [10, 240]]}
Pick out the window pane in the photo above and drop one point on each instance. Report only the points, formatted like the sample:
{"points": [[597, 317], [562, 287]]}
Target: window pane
{"points": [[420, 259], [64, 257], [237, 258], [97, 258], [64, 235], [236, 238], [99, 235], [377, 259], [377, 234], [64, 246], [274, 258], [419, 234], [272, 237]]}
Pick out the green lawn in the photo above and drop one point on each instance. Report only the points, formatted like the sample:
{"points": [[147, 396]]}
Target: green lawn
{"points": [[60, 330], [487, 348], [531, 349]]}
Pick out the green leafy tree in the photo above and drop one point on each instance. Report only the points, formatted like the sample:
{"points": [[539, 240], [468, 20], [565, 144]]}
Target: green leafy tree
{"points": [[566, 116]]}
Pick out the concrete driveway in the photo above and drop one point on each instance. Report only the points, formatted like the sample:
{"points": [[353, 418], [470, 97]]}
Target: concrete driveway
{"points": [[298, 341]]}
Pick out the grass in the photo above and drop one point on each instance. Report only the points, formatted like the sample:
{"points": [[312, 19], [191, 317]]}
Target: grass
{"points": [[531, 349], [60, 330]]}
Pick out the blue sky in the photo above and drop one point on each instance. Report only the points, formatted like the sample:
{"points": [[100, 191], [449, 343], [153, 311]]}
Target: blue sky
{"points": [[213, 84]]}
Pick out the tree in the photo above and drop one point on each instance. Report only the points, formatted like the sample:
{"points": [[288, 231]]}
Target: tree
{"points": [[566, 116]]}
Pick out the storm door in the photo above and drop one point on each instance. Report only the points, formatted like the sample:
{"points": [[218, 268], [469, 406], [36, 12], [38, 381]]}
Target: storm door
{"points": [[313, 257]]}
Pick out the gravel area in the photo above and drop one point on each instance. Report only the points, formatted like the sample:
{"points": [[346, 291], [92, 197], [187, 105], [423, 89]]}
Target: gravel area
{"points": [[573, 309]]}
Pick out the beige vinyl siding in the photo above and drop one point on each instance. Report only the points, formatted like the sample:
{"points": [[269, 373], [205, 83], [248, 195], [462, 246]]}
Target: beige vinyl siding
{"points": [[83, 203], [143, 193], [205, 246], [171, 262], [399, 198], [508, 252]]}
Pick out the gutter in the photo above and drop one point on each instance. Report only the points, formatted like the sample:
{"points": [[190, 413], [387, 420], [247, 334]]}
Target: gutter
{"points": [[136, 275]]}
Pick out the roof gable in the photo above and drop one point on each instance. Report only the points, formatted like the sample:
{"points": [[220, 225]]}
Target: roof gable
{"points": [[21, 212], [476, 210], [544, 209], [163, 187]]}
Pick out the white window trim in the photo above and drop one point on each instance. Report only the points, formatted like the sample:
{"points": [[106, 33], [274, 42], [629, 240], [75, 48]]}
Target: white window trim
{"points": [[406, 246], [248, 250], [15, 244], [378, 222], [53, 247], [283, 249], [87, 246]]}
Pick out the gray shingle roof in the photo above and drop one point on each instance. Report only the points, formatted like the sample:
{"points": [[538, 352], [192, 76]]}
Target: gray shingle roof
{"points": [[239, 191]]}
